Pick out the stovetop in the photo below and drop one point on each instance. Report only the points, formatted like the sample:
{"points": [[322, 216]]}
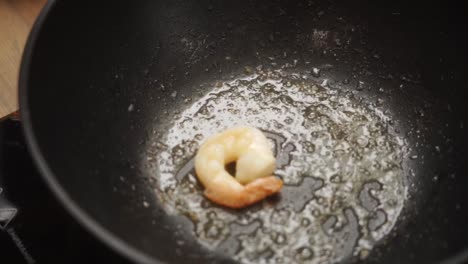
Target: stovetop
{"points": [[34, 227]]}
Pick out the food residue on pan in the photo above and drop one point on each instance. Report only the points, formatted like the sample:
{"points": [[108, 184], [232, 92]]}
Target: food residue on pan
{"points": [[255, 163], [342, 171]]}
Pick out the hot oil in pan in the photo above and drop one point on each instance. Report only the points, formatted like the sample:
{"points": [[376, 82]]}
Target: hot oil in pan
{"points": [[342, 169]]}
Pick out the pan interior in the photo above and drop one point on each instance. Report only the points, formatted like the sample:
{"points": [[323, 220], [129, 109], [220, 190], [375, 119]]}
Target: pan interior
{"points": [[338, 154]]}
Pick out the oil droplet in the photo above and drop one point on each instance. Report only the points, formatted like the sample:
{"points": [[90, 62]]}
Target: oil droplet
{"points": [[280, 239], [362, 141], [380, 101], [336, 178], [360, 86], [315, 72], [316, 213], [304, 253], [324, 83]]}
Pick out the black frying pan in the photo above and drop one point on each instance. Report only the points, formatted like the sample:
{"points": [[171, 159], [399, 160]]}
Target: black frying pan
{"points": [[103, 83]]}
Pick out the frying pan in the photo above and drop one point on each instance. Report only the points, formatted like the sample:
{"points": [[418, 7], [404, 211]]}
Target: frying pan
{"points": [[101, 83]]}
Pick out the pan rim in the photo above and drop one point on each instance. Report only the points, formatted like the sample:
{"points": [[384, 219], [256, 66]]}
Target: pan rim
{"points": [[83, 218]]}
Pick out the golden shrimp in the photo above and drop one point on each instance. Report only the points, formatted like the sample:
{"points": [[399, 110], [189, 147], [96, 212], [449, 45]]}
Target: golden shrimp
{"points": [[255, 164]]}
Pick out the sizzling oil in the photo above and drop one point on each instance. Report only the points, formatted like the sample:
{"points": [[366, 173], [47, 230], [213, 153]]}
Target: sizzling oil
{"points": [[342, 170]]}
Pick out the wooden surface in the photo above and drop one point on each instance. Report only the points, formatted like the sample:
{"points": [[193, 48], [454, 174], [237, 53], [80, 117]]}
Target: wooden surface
{"points": [[16, 20]]}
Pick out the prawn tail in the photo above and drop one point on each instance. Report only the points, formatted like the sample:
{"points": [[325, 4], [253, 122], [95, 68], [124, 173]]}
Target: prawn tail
{"points": [[224, 198], [261, 188], [253, 192]]}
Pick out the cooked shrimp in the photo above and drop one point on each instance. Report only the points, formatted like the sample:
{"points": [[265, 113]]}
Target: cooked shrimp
{"points": [[255, 164]]}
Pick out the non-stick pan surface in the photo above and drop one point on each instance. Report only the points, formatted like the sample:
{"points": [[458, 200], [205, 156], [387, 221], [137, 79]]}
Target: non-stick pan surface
{"points": [[116, 77]]}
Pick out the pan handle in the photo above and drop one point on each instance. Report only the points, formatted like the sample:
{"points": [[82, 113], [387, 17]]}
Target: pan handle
{"points": [[7, 212]]}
